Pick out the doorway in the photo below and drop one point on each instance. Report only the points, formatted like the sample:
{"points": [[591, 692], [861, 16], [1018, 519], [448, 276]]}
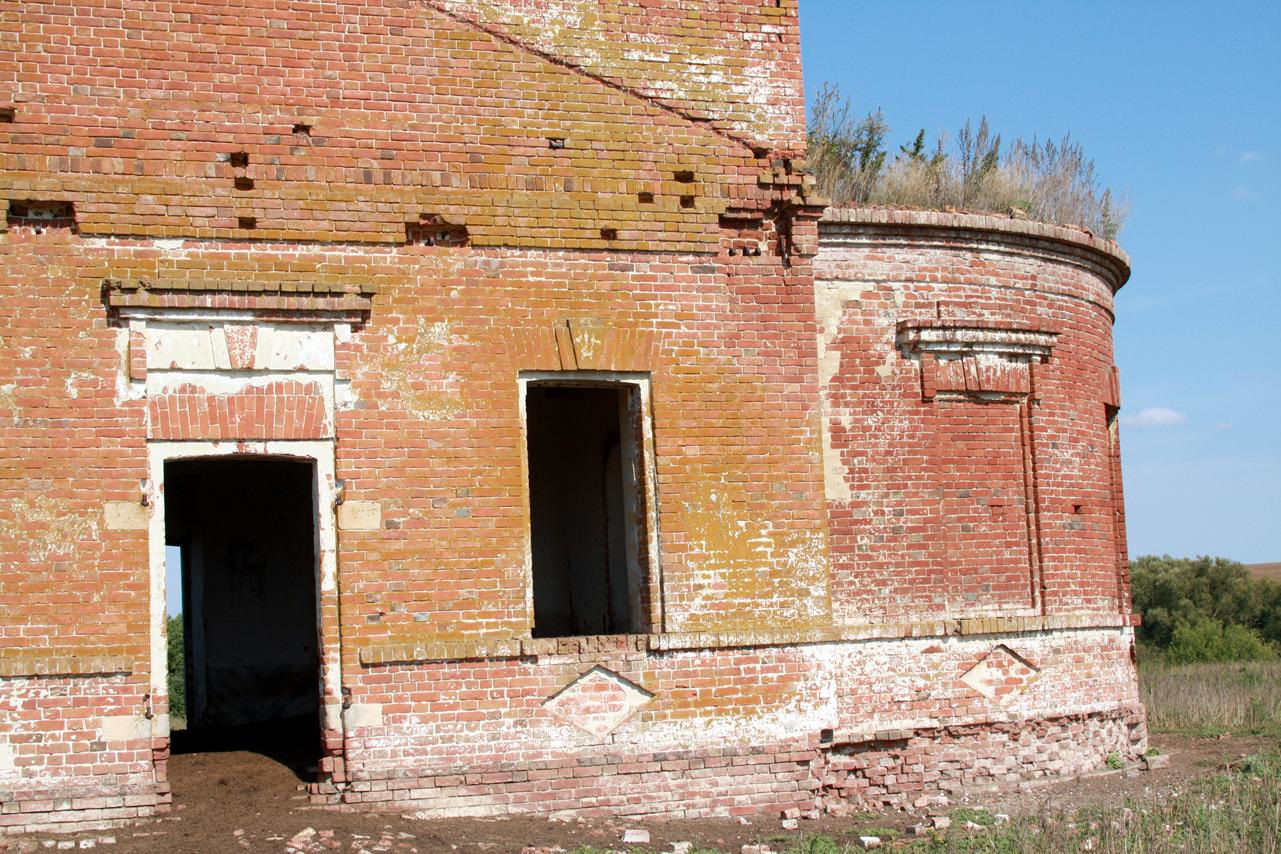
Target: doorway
{"points": [[244, 530]]}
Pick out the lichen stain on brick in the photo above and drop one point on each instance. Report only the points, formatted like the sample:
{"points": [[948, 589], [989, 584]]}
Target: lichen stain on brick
{"points": [[693, 65], [744, 573]]}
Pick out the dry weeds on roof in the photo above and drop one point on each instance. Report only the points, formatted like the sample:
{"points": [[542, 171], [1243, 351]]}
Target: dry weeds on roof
{"points": [[1045, 181]]}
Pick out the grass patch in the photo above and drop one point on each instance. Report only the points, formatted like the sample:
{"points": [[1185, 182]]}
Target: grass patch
{"points": [[1239, 810], [1051, 181], [817, 844], [961, 815]]}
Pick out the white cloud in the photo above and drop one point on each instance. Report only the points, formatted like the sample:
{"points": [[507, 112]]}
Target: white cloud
{"points": [[1241, 193], [1156, 416], [1249, 157]]}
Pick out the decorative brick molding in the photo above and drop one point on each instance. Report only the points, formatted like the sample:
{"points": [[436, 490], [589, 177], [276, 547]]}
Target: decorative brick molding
{"points": [[975, 359], [425, 650], [959, 338]]}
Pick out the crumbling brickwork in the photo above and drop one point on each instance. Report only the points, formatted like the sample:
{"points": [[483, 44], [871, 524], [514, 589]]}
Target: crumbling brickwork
{"points": [[866, 520]]}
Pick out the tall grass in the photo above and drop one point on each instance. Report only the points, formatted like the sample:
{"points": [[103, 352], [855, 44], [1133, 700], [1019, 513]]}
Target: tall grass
{"points": [[1242, 697]]}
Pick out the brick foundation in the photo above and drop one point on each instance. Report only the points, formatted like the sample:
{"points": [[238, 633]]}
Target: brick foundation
{"points": [[859, 723]]}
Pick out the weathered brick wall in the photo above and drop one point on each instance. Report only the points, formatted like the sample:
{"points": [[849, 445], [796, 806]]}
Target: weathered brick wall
{"points": [[416, 202], [357, 118]]}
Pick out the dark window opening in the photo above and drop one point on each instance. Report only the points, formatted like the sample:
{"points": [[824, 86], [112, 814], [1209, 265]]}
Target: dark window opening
{"points": [[247, 535], [587, 509]]}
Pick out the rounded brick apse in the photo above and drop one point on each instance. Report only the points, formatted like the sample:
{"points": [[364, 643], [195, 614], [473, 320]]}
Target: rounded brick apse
{"points": [[974, 493]]}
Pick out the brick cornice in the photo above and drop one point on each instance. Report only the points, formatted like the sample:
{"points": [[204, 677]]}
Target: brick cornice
{"points": [[1106, 254]]}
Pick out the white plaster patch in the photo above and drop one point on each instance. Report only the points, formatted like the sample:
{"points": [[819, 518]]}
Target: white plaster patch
{"points": [[360, 715], [187, 347], [295, 348], [73, 381], [208, 346], [344, 395], [599, 701], [830, 300], [124, 728], [360, 516], [8, 757], [333, 716], [125, 516]]}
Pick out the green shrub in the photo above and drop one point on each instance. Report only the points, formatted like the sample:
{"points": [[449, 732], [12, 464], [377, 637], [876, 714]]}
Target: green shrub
{"points": [[1204, 610], [1206, 639], [177, 668]]}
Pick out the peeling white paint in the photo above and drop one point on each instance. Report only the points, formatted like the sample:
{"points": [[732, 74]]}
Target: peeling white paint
{"points": [[204, 346]]}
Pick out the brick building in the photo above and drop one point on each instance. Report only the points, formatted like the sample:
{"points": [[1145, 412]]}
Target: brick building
{"points": [[527, 434]]}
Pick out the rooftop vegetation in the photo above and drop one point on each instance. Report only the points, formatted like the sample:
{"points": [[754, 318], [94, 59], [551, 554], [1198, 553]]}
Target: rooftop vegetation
{"points": [[1050, 181]]}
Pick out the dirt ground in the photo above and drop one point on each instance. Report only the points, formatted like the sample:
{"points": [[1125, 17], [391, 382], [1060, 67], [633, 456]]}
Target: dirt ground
{"points": [[236, 801]]}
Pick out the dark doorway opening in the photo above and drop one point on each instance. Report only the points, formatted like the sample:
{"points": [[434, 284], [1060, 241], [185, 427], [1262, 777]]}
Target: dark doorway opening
{"points": [[246, 531], [586, 509]]}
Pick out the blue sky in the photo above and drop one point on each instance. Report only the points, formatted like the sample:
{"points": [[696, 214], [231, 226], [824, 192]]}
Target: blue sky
{"points": [[1179, 105]]}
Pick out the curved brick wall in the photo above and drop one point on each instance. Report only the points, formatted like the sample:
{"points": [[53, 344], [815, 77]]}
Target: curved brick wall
{"points": [[969, 389]]}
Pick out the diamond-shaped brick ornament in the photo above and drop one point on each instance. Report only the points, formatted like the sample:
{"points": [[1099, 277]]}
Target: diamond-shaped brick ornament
{"points": [[599, 701], [1000, 675]]}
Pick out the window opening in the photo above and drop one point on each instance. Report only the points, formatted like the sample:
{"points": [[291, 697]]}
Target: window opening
{"points": [[587, 508]]}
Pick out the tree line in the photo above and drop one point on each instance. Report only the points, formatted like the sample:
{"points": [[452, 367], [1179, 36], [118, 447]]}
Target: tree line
{"points": [[1205, 609]]}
